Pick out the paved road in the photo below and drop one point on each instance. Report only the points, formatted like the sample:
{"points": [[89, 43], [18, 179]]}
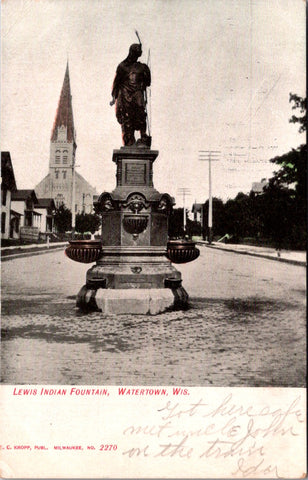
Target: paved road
{"points": [[245, 327]]}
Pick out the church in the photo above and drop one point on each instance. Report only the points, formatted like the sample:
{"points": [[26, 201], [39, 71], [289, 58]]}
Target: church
{"points": [[62, 177]]}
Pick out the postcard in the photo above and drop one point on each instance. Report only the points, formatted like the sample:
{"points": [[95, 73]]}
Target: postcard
{"points": [[153, 227]]}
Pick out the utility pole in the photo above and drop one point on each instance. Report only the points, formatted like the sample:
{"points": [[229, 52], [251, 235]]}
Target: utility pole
{"points": [[184, 192], [209, 155], [73, 197]]}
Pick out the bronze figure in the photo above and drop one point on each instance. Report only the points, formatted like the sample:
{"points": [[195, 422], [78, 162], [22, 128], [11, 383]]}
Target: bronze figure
{"points": [[129, 94]]}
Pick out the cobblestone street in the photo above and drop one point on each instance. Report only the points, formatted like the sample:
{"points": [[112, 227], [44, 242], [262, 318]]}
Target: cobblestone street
{"points": [[245, 327]]}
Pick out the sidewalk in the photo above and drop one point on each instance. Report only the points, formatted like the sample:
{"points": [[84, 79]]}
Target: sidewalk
{"points": [[16, 251], [288, 256]]}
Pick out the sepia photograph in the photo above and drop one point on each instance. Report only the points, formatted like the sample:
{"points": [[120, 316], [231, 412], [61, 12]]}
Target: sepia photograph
{"points": [[198, 259], [153, 222]]}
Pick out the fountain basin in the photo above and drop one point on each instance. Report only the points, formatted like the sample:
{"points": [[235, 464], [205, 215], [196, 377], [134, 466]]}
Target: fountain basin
{"points": [[84, 251], [135, 224], [182, 251]]}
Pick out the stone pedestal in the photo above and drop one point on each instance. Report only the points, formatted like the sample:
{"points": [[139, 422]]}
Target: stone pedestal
{"points": [[134, 239]]}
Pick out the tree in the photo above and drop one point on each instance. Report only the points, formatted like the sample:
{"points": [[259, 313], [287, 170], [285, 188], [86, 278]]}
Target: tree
{"points": [[87, 222], [293, 165], [175, 225], [301, 104], [298, 162], [285, 197], [239, 218], [278, 215], [63, 219], [219, 220], [176, 228], [193, 228]]}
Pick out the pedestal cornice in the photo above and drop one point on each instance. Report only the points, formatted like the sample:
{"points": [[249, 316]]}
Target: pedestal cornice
{"points": [[134, 153]]}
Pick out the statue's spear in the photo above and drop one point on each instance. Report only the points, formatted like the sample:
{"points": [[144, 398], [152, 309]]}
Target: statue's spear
{"points": [[149, 113]]}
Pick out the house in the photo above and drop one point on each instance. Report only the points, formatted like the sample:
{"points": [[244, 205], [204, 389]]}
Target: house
{"points": [[23, 202], [197, 212], [258, 187], [10, 219], [46, 207]]}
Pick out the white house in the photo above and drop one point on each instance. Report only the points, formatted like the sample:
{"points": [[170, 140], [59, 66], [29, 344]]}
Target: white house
{"points": [[10, 219], [197, 212], [46, 207], [258, 187], [23, 202]]}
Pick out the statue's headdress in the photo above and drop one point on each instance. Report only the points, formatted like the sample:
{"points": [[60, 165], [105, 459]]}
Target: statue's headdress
{"points": [[138, 38]]}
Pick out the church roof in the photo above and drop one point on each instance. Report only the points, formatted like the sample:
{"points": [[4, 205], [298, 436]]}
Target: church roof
{"points": [[64, 115], [197, 207], [45, 203]]}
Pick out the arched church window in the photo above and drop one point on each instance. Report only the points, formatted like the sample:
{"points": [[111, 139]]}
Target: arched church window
{"points": [[64, 174], [57, 174], [64, 156], [58, 153]]}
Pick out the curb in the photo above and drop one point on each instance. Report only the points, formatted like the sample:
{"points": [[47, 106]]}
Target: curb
{"points": [[23, 254], [260, 255]]}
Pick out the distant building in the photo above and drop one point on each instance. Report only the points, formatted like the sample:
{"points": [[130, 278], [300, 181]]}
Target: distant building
{"points": [[197, 212], [9, 218], [58, 184], [257, 187], [23, 202], [46, 207]]}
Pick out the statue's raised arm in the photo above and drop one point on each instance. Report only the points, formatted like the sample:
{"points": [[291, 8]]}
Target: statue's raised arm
{"points": [[129, 94]]}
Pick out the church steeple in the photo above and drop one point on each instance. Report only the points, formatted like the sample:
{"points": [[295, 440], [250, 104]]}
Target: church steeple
{"points": [[63, 147], [58, 184], [63, 128]]}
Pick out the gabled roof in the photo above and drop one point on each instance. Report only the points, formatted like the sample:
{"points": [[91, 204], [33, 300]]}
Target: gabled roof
{"points": [[45, 203], [64, 115], [197, 207], [7, 172], [23, 195], [15, 214], [257, 187]]}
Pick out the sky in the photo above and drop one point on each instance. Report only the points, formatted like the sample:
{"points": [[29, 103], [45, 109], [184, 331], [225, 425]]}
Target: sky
{"points": [[222, 71]]}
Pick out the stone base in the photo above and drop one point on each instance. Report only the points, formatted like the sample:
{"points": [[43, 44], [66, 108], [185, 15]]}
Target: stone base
{"points": [[132, 280], [132, 267], [139, 301]]}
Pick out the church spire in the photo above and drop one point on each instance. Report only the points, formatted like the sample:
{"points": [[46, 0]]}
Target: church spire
{"points": [[64, 115]]}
